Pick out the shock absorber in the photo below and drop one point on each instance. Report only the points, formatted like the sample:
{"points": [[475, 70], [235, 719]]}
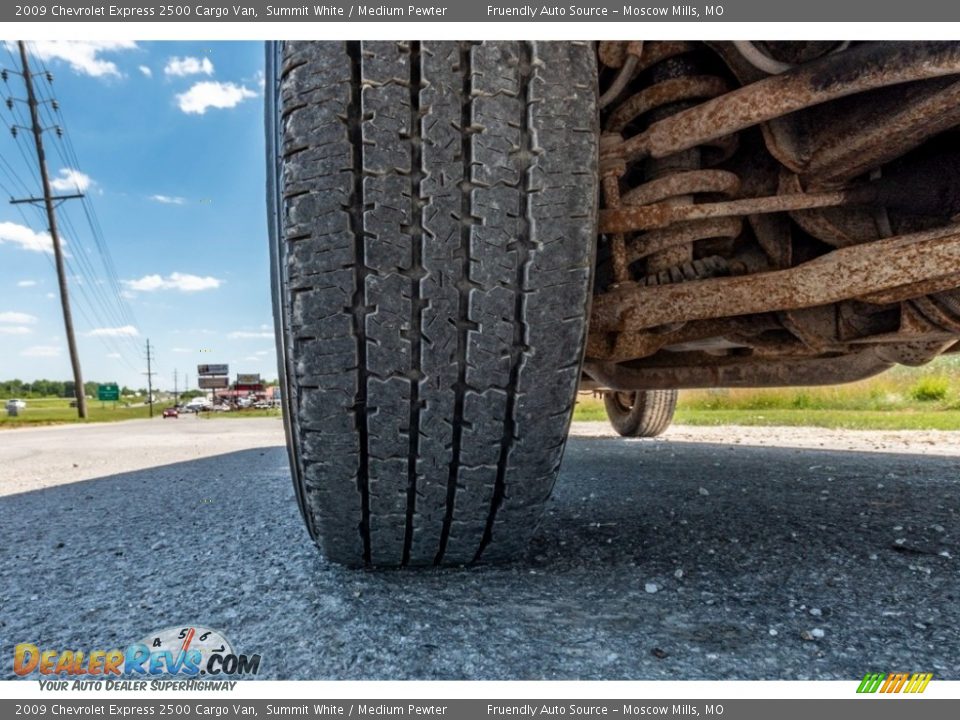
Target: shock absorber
{"points": [[664, 78]]}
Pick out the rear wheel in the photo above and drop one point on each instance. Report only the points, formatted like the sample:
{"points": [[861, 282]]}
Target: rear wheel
{"points": [[645, 413], [433, 238]]}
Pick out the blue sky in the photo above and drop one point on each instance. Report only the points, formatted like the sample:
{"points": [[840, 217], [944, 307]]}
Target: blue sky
{"points": [[168, 141]]}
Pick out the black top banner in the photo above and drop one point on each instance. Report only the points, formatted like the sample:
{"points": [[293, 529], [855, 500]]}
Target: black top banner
{"points": [[471, 11]]}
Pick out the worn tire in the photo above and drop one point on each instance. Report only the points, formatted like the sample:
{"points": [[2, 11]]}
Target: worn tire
{"points": [[645, 413], [434, 212]]}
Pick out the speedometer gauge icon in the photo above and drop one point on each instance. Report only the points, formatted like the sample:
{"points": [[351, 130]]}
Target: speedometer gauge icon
{"points": [[178, 640]]}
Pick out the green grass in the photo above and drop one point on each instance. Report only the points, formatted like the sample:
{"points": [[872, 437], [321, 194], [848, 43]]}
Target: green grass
{"points": [[689, 413], [245, 413], [51, 411], [844, 419], [902, 399]]}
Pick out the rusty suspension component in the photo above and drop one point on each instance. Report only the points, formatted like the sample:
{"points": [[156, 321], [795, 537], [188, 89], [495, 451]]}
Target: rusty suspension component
{"points": [[875, 267], [846, 265], [868, 67], [674, 81], [735, 372]]}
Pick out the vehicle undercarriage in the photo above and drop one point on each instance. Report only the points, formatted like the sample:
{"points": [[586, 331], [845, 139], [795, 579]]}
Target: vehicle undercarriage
{"points": [[779, 213]]}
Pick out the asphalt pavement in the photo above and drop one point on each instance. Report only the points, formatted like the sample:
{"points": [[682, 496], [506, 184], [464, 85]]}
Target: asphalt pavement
{"points": [[662, 559]]}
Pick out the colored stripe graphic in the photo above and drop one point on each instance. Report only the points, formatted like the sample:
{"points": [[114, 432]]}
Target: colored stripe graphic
{"points": [[918, 682], [894, 683], [870, 683]]}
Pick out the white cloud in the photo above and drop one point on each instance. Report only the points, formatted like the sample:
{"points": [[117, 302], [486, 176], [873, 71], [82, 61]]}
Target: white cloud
{"points": [[244, 334], [251, 358], [264, 352], [184, 282], [71, 180], [181, 67], [113, 356], [168, 199], [181, 350], [14, 330], [18, 318], [41, 351], [208, 94], [147, 72], [83, 56], [123, 331], [25, 237], [50, 296], [26, 283]]}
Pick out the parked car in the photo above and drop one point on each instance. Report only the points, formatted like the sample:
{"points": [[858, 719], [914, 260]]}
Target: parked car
{"points": [[15, 404], [171, 412]]}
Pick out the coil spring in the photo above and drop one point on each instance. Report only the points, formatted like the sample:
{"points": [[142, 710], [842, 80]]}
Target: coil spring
{"points": [[672, 82], [708, 267]]}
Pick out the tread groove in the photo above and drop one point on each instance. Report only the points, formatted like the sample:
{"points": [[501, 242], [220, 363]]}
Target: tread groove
{"points": [[463, 316], [526, 244], [355, 127], [416, 303]]}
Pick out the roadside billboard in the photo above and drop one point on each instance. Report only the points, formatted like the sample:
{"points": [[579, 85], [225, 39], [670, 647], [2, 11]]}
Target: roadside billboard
{"points": [[213, 383], [213, 369]]}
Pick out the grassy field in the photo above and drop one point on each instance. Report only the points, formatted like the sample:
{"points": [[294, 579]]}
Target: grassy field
{"points": [[50, 411], [245, 413], [901, 399]]}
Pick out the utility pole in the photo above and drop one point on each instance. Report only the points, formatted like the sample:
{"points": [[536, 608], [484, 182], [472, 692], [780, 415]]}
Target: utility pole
{"points": [[54, 235], [175, 388], [149, 375]]}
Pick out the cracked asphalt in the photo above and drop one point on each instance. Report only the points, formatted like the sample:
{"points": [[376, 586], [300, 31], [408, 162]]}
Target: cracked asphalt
{"points": [[720, 553]]}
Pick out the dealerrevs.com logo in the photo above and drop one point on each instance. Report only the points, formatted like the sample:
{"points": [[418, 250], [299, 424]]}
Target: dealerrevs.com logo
{"points": [[186, 652]]}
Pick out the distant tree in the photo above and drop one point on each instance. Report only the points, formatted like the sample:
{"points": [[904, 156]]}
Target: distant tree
{"points": [[14, 389]]}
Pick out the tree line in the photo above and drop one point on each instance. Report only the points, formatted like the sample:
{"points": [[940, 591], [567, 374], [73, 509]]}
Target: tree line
{"points": [[53, 388]]}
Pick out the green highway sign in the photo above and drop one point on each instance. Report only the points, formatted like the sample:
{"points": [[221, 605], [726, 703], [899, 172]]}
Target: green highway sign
{"points": [[108, 392]]}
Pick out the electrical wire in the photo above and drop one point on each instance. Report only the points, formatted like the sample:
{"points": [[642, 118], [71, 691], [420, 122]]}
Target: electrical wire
{"points": [[93, 293]]}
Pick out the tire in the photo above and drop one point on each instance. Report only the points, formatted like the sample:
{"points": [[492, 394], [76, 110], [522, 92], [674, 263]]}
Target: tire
{"points": [[645, 413], [434, 221]]}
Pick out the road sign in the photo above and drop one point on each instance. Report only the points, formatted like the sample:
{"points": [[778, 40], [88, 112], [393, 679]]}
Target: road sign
{"points": [[109, 392], [248, 379], [213, 383], [213, 370]]}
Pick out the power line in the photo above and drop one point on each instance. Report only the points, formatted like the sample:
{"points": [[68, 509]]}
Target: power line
{"points": [[89, 210], [107, 340], [85, 272], [100, 292]]}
